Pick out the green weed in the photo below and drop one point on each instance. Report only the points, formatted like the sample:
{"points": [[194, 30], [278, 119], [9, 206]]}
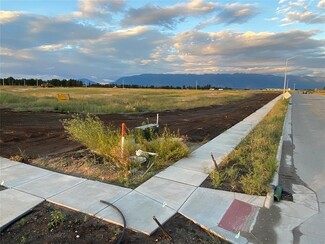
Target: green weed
{"points": [[217, 178], [22, 222], [104, 141], [57, 218], [251, 166]]}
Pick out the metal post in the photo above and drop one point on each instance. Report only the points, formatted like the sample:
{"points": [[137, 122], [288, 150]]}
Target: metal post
{"points": [[285, 79], [285, 76]]}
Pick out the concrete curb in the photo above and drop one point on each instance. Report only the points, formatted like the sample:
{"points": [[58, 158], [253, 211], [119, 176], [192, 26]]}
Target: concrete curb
{"points": [[269, 200]]}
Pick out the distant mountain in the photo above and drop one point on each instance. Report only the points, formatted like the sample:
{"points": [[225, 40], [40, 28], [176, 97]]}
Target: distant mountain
{"points": [[87, 82], [235, 81]]}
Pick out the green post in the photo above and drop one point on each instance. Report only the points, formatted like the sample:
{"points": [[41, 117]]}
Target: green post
{"points": [[277, 193]]}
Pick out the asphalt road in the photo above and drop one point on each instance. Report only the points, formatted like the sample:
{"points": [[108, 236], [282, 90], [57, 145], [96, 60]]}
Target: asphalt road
{"points": [[308, 136]]}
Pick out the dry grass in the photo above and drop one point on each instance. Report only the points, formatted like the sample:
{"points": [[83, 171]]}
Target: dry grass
{"points": [[251, 166], [110, 100], [106, 160]]}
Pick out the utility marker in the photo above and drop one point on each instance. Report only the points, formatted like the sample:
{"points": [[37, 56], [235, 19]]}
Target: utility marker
{"points": [[123, 134]]}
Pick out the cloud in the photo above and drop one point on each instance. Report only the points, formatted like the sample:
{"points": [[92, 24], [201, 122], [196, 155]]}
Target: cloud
{"points": [[304, 17], [99, 8], [236, 13], [51, 46], [9, 16], [24, 30], [168, 16], [262, 52], [301, 11], [321, 4], [68, 47]]}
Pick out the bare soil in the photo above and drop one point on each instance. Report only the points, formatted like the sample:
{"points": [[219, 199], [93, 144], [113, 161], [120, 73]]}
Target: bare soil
{"points": [[41, 134], [75, 227]]}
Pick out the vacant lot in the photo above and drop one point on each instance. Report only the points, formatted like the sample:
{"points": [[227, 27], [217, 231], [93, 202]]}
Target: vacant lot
{"points": [[40, 133], [35, 133], [110, 100]]}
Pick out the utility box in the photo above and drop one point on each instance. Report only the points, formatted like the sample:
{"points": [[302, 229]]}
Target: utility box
{"points": [[148, 131]]}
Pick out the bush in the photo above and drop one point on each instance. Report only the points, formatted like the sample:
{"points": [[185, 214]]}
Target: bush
{"points": [[105, 141], [169, 148], [91, 132]]}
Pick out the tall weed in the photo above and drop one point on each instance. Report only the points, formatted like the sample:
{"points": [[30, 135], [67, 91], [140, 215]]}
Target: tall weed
{"points": [[105, 141], [91, 132]]}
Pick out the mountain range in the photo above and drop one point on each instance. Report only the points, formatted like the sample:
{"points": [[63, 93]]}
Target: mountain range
{"points": [[235, 81]]}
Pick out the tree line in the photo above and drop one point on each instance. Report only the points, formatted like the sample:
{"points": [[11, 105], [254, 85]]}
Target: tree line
{"points": [[10, 81]]}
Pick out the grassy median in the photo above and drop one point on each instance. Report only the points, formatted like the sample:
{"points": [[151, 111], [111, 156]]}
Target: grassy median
{"points": [[251, 166]]}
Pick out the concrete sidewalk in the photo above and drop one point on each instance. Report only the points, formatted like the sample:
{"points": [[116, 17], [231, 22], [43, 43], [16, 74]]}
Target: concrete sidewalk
{"points": [[176, 189]]}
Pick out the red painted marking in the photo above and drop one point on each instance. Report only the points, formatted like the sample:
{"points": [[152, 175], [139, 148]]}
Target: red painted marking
{"points": [[123, 129], [236, 216]]}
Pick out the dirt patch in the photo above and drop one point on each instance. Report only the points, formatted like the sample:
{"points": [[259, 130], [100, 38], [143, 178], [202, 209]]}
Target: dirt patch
{"points": [[35, 134], [74, 227], [31, 135]]}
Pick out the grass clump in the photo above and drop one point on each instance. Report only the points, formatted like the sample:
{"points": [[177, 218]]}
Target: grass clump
{"points": [[109, 163], [251, 166], [91, 132]]}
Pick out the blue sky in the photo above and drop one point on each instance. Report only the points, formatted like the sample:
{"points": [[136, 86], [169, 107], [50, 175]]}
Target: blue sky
{"points": [[103, 40]]}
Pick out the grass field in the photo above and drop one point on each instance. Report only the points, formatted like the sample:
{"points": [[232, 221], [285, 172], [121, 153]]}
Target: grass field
{"points": [[113, 100]]}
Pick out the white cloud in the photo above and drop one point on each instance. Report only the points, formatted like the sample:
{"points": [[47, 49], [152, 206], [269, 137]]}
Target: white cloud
{"points": [[301, 11], [321, 4], [27, 31], [8, 16], [262, 52], [236, 13], [99, 8], [70, 48], [167, 16], [304, 17]]}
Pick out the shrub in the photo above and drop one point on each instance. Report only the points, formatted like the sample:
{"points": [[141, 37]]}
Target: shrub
{"points": [[91, 132], [105, 141], [169, 148]]}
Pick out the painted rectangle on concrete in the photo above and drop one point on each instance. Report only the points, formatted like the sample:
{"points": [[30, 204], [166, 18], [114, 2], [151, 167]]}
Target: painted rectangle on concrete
{"points": [[239, 216]]}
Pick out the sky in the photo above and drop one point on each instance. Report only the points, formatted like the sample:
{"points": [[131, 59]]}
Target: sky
{"points": [[103, 40]]}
